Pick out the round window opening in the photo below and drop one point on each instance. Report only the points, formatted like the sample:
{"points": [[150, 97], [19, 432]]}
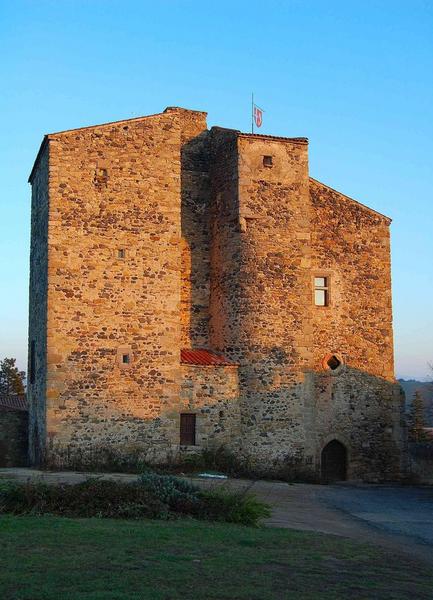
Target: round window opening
{"points": [[332, 362]]}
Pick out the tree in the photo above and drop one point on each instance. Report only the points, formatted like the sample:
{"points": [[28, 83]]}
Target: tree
{"points": [[11, 379], [416, 419]]}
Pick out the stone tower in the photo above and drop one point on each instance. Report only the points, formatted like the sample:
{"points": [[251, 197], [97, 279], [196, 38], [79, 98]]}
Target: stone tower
{"points": [[193, 288]]}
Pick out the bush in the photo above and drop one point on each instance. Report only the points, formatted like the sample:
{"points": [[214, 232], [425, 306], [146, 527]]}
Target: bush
{"points": [[224, 460], [92, 498], [100, 458], [232, 507], [178, 494], [150, 496]]}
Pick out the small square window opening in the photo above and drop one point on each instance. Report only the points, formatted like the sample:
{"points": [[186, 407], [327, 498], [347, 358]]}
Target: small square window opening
{"points": [[268, 161], [321, 291], [126, 359], [121, 253], [101, 176]]}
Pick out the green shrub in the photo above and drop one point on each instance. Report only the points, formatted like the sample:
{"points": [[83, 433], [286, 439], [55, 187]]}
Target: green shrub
{"points": [[92, 498], [232, 507], [223, 460], [100, 458], [150, 496], [176, 493]]}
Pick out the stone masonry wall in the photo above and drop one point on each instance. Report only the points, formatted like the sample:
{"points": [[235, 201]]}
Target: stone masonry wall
{"points": [[195, 226], [13, 438], [225, 318], [154, 234], [351, 245], [212, 393], [359, 403], [261, 245], [274, 279], [36, 391], [270, 238], [114, 286]]}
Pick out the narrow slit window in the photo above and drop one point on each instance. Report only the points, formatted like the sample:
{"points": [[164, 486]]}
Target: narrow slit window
{"points": [[32, 362], [268, 161], [187, 429], [321, 291]]}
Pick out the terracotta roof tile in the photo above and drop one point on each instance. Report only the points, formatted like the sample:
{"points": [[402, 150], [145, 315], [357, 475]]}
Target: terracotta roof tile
{"points": [[203, 357], [13, 403]]}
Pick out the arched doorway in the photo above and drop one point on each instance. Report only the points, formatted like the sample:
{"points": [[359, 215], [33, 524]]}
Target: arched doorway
{"points": [[333, 464]]}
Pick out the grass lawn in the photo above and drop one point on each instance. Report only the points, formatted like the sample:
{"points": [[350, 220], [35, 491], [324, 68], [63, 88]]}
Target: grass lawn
{"points": [[54, 558]]}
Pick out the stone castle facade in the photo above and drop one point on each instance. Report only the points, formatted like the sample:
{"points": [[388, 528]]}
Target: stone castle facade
{"points": [[192, 288]]}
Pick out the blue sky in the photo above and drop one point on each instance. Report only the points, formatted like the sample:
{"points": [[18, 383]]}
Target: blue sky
{"points": [[354, 77]]}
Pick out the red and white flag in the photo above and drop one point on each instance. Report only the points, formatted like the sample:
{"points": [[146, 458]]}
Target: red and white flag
{"points": [[258, 116]]}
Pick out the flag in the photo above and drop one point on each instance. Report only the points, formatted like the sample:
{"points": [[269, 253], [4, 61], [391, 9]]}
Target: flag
{"points": [[258, 116]]}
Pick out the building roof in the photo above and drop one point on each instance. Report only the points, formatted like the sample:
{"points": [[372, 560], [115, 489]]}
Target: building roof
{"points": [[203, 358], [263, 136], [13, 403]]}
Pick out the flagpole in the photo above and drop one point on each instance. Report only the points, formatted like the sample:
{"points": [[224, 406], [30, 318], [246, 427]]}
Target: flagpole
{"points": [[252, 112]]}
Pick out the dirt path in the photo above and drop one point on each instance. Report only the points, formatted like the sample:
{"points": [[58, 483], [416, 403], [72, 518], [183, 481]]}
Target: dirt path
{"points": [[398, 518]]}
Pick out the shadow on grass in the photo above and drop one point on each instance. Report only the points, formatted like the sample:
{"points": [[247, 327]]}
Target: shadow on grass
{"points": [[101, 558]]}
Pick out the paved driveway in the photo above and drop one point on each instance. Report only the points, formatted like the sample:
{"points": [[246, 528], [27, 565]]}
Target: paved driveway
{"points": [[397, 517], [397, 510]]}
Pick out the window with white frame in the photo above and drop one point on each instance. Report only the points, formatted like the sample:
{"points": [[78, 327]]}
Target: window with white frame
{"points": [[321, 291]]}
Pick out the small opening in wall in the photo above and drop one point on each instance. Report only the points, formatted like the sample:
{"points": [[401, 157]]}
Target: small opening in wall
{"points": [[101, 176], [32, 362], [268, 161], [333, 362], [121, 253], [126, 359]]}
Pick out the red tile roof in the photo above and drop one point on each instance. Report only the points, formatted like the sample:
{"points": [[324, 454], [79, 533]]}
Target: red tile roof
{"points": [[204, 358], [13, 403]]}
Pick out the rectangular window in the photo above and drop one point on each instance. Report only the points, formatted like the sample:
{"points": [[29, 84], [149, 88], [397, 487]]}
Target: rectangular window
{"points": [[268, 161], [32, 374], [321, 291], [187, 429]]}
